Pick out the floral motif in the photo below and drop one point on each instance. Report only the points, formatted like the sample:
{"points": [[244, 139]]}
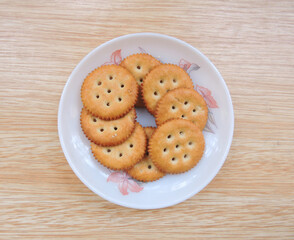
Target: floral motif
{"points": [[206, 94], [211, 103], [184, 64], [125, 182], [115, 58], [210, 122], [187, 66], [142, 50]]}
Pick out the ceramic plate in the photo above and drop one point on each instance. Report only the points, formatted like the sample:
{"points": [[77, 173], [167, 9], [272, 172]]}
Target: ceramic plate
{"points": [[118, 187]]}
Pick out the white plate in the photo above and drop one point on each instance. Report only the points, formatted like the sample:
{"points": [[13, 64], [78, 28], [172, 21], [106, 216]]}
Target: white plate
{"points": [[117, 187]]}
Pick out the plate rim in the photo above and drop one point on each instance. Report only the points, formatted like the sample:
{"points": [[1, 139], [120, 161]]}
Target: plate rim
{"points": [[159, 205]]}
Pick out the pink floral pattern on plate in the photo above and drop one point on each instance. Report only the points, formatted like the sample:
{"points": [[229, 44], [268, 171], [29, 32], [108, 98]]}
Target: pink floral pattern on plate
{"points": [[125, 182], [211, 103], [206, 94], [115, 58], [187, 66]]}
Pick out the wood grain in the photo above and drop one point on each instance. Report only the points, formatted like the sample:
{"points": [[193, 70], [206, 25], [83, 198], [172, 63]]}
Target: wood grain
{"points": [[250, 42]]}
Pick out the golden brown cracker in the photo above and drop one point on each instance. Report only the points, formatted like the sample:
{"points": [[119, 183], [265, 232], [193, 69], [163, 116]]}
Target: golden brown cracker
{"points": [[145, 170], [176, 146], [140, 65], [109, 92], [125, 155], [182, 103], [160, 80], [108, 133]]}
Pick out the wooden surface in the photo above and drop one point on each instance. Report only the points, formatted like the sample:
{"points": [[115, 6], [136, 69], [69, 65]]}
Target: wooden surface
{"points": [[252, 45]]}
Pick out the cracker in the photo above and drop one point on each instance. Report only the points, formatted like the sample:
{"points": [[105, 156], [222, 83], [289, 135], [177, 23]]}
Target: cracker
{"points": [[160, 80], [109, 92], [140, 65], [145, 170], [108, 133], [149, 131], [176, 146], [125, 155], [182, 103]]}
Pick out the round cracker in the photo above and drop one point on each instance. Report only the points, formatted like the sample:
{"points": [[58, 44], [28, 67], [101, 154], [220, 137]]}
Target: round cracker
{"points": [[140, 65], [125, 155], [108, 133], [109, 92], [176, 146], [145, 170], [182, 103], [160, 80]]}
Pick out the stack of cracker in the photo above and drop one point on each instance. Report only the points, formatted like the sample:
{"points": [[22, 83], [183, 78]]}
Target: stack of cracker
{"points": [[109, 95]]}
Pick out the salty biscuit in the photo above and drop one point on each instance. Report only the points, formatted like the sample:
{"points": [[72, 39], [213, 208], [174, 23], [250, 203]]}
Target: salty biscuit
{"points": [[176, 146], [109, 92], [108, 133], [145, 170], [125, 155], [140, 65], [182, 103], [160, 80]]}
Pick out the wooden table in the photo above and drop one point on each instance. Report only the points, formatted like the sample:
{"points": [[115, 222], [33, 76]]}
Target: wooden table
{"points": [[252, 45]]}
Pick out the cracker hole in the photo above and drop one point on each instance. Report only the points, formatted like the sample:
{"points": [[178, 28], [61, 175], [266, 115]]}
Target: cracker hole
{"points": [[141, 80], [185, 156], [120, 155], [161, 81], [108, 104], [122, 85], [169, 136], [101, 129], [177, 146], [110, 77], [173, 107], [149, 166], [181, 133], [173, 159], [115, 128], [119, 99], [186, 102], [190, 143], [194, 110], [99, 83], [138, 67], [131, 145], [108, 150], [109, 91], [97, 96], [94, 120], [164, 149], [155, 93], [183, 116], [174, 80]]}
